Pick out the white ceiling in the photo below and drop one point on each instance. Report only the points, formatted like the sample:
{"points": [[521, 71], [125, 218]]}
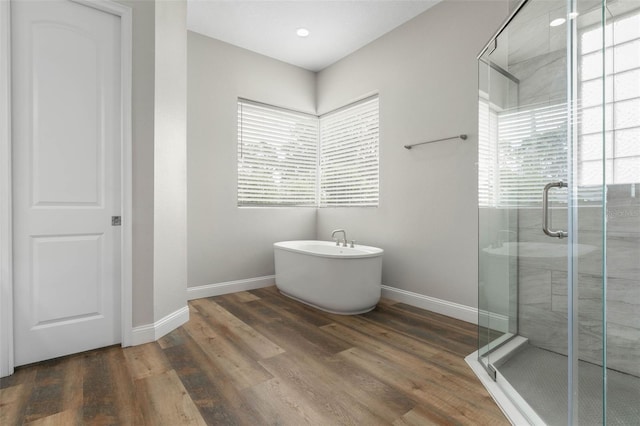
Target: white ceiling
{"points": [[337, 27]]}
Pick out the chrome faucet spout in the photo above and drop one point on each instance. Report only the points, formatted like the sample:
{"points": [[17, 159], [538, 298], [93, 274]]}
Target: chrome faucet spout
{"points": [[344, 235]]}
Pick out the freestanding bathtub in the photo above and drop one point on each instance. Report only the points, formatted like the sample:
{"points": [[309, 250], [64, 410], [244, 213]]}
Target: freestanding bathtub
{"points": [[336, 279]]}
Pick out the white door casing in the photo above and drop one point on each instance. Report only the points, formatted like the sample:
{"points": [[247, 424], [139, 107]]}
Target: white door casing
{"points": [[71, 172], [6, 280]]}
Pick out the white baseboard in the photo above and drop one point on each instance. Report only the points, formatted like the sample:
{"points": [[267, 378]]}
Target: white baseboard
{"points": [[439, 306], [218, 289], [152, 332]]}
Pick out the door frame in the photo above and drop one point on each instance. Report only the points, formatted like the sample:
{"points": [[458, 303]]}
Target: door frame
{"points": [[6, 224]]}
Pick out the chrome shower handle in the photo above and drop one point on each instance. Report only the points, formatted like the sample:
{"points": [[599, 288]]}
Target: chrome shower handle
{"points": [[545, 210]]}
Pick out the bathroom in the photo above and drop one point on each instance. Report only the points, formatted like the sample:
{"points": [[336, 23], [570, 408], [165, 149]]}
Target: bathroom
{"points": [[194, 241], [429, 258], [184, 235], [415, 106]]}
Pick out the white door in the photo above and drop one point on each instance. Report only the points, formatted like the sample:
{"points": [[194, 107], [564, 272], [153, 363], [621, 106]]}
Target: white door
{"points": [[66, 119]]}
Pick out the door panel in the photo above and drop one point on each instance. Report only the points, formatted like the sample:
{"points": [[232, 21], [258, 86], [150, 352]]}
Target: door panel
{"points": [[66, 174], [65, 265], [65, 66]]}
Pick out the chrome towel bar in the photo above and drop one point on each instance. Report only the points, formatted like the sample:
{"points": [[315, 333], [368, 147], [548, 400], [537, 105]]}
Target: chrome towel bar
{"points": [[463, 137]]}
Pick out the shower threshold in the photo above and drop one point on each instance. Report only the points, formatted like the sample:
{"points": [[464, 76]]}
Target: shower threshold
{"points": [[540, 377], [514, 407]]}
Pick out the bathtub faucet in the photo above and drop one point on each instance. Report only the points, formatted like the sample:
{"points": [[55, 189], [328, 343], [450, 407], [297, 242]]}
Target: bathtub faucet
{"points": [[344, 234]]}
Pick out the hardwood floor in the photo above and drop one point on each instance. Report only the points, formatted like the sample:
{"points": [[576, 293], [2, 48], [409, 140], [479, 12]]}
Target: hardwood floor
{"points": [[259, 358]]}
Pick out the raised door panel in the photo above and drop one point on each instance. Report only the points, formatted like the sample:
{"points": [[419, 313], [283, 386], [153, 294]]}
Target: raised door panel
{"points": [[66, 88], [69, 266]]}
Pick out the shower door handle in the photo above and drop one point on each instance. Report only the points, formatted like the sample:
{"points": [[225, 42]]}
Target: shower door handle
{"points": [[545, 210]]}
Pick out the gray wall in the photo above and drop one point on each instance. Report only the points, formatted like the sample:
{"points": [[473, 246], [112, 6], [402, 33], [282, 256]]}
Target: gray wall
{"points": [[225, 242], [158, 138], [143, 158], [426, 74], [542, 310], [170, 154]]}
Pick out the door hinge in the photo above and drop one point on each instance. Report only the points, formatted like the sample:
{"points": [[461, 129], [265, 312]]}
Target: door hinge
{"points": [[491, 371]]}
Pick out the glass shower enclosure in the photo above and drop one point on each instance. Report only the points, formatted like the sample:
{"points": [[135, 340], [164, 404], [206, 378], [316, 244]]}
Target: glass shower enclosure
{"points": [[559, 211]]}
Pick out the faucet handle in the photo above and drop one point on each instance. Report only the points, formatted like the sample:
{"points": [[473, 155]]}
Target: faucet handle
{"points": [[353, 243], [337, 240]]}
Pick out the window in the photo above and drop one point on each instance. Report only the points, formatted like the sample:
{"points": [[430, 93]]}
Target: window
{"points": [[529, 152], [277, 156], [522, 149], [287, 158], [532, 152], [349, 166], [622, 102]]}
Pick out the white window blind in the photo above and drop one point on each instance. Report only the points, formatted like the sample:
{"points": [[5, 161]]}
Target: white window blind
{"points": [[349, 156], [519, 152], [532, 151], [487, 155], [277, 156]]}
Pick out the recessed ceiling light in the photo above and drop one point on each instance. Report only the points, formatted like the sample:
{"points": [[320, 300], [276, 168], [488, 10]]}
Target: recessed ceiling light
{"points": [[557, 22], [302, 32]]}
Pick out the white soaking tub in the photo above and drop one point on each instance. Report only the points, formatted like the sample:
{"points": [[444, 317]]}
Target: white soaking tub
{"points": [[336, 279]]}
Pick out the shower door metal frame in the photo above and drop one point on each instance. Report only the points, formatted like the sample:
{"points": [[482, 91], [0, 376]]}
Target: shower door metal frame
{"points": [[505, 24], [493, 43]]}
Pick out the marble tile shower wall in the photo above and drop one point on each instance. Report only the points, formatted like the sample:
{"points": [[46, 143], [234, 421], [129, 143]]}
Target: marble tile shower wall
{"points": [[542, 313], [542, 297], [543, 79], [623, 283]]}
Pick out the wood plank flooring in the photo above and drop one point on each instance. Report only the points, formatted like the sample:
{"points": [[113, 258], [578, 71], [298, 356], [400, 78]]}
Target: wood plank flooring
{"points": [[259, 358]]}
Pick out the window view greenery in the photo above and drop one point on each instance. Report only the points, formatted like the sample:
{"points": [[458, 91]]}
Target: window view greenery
{"points": [[523, 150], [277, 156], [287, 158]]}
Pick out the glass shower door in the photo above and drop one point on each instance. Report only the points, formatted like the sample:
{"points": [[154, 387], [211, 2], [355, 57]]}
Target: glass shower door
{"points": [[497, 291], [541, 209]]}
